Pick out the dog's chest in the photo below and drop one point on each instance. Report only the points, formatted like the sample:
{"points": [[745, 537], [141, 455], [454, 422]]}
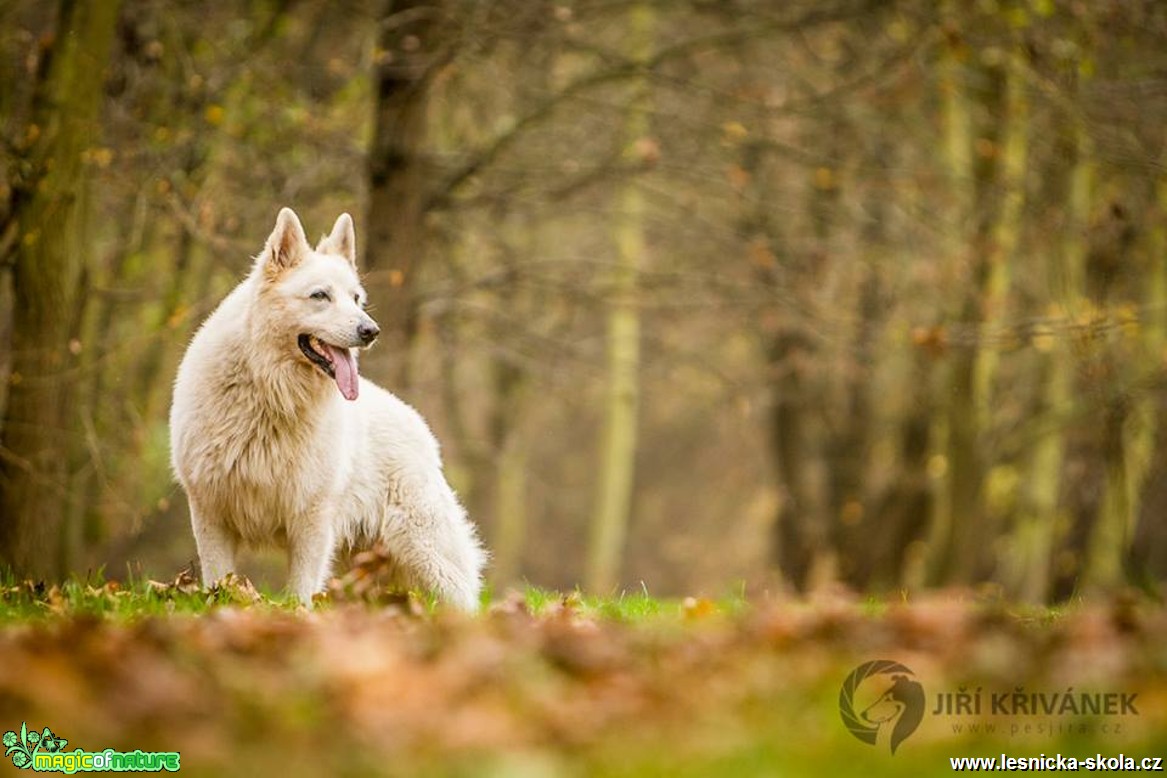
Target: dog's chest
{"points": [[263, 469], [264, 452]]}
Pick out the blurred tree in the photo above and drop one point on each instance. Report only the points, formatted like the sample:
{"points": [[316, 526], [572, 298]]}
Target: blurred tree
{"points": [[411, 45], [49, 205], [1149, 544], [959, 534], [617, 464], [1029, 554]]}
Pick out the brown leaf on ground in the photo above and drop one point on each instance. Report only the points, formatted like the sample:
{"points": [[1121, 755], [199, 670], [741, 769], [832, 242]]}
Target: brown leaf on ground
{"points": [[184, 583], [233, 589]]}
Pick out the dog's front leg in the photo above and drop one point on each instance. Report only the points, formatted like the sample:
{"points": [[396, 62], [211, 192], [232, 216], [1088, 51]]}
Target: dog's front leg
{"points": [[311, 543], [216, 545]]}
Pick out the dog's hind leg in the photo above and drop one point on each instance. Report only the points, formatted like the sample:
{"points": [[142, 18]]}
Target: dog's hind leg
{"points": [[437, 547], [310, 549], [216, 545]]}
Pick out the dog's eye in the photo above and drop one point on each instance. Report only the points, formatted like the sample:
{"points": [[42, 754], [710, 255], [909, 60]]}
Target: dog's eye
{"points": [[320, 294], [357, 300]]}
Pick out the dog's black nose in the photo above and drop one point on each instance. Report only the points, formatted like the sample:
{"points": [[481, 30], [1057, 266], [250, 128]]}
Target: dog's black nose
{"points": [[368, 332]]}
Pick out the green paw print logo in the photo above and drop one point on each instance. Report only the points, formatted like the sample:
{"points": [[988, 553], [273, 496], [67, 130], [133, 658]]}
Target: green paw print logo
{"points": [[24, 746]]}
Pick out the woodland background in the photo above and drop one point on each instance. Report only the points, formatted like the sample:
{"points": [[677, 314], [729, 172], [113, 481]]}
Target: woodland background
{"points": [[697, 295]]}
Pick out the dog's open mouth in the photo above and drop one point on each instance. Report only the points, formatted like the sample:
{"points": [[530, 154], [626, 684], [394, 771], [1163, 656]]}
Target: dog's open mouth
{"points": [[335, 362]]}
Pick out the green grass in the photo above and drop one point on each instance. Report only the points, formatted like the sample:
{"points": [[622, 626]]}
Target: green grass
{"points": [[631, 606], [27, 601], [95, 597]]}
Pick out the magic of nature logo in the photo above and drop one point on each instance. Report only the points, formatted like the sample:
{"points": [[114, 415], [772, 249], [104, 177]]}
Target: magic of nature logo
{"points": [[881, 702], [44, 751]]}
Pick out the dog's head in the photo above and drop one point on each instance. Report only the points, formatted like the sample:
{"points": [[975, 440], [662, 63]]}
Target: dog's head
{"points": [[313, 298]]}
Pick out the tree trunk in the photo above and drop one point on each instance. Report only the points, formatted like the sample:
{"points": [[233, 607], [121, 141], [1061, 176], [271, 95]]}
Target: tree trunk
{"points": [[409, 48], [510, 478], [843, 446], [895, 552], [1129, 427], [49, 209], [1006, 228], [801, 539], [617, 464], [1027, 569], [1149, 549], [958, 505]]}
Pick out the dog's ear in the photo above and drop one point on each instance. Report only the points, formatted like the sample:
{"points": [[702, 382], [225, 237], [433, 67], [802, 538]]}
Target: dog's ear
{"points": [[342, 240], [287, 245]]}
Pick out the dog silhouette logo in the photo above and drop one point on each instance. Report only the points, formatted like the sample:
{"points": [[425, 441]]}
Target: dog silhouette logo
{"points": [[891, 703]]}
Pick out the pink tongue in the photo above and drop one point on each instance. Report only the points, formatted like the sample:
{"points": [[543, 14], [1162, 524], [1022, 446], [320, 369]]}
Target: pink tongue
{"points": [[346, 371]]}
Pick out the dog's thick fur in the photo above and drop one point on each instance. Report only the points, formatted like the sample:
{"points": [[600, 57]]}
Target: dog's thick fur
{"points": [[276, 439]]}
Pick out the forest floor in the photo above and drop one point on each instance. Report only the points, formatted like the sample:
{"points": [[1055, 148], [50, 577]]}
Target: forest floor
{"points": [[541, 684]]}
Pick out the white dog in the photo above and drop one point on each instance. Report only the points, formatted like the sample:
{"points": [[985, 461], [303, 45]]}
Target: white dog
{"points": [[277, 439]]}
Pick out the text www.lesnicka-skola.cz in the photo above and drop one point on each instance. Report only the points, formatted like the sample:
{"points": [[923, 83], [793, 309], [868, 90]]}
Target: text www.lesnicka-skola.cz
{"points": [[1056, 762]]}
